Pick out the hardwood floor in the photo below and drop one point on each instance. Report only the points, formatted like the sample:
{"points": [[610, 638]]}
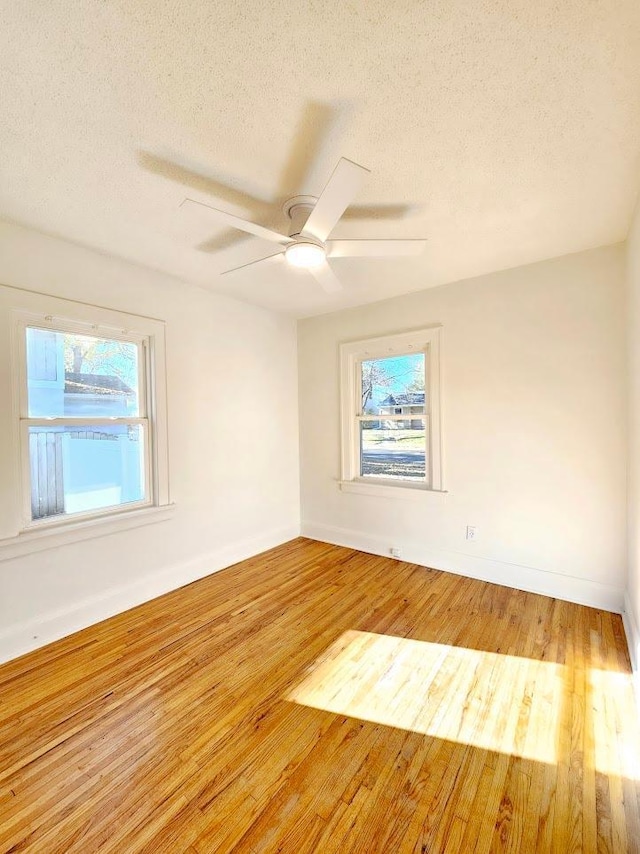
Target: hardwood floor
{"points": [[316, 699]]}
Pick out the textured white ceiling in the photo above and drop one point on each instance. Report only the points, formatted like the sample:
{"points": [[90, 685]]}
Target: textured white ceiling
{"points": [[504, 132]]}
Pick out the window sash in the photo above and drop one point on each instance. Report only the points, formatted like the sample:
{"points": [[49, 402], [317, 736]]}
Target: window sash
{"points": [[90, 330], [103, 332], [421, 481], [384, 354], [25, 423]]}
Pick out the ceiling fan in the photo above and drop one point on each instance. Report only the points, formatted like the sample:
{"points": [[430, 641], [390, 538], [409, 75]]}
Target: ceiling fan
{"points": [[308, 245]]}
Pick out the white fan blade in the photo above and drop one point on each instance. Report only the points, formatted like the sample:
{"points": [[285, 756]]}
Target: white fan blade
{"points": [[374, 248], [267, 258], [326, 278], [336, 197], [199, 208]]}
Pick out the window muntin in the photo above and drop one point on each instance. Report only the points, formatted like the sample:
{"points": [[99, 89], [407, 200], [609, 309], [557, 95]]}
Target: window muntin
{"points": [[390, 393], [84, 428]]}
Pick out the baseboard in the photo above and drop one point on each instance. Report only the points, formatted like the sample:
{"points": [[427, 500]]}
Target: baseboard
{"points": [[569, 588], [27, 636], [633, 642]]}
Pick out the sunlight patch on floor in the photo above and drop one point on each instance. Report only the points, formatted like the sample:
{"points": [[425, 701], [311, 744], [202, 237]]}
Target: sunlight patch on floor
{"points": [[498, 702], [616, 729]]}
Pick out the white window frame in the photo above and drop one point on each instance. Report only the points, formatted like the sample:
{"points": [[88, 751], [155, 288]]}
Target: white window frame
{"points": [[352, 354], [58, 315]]}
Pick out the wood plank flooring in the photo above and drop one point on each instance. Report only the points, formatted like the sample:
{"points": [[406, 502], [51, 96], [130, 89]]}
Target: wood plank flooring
{"points": [[316, 699]]}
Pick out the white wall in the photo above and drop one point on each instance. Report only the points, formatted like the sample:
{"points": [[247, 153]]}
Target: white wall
{"points": [[632, 598], [236, 489], [534, 430], [534, 420]]}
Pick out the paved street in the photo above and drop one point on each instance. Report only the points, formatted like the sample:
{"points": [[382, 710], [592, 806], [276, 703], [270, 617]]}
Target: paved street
{"points": [[382, 461]]}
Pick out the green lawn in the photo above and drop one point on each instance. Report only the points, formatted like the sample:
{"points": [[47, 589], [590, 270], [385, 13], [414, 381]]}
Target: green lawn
{"points": [[400, 439]]}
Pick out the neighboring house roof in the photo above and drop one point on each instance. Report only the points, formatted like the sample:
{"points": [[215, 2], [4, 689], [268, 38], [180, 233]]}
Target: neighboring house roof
{"points": [[95, 384], [412, 398]]}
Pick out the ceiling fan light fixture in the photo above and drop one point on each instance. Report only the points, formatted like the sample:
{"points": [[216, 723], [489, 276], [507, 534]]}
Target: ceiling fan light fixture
{"points": [[305, 254]]}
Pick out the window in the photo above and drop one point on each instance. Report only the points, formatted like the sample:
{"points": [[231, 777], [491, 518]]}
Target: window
{"points": [[89, 418], [391, 413]]}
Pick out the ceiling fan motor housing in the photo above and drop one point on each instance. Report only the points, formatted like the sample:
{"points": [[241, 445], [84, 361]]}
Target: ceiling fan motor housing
{"points": [[298, 209]]}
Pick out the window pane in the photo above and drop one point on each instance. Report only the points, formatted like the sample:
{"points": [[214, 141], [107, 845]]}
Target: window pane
{"points": [[393, 385], [80, 375], [393, 449], [80, 469]]}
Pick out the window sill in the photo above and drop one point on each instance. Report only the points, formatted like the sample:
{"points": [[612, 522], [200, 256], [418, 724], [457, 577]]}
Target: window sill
{"points": [[37, 540], [384, 490]]}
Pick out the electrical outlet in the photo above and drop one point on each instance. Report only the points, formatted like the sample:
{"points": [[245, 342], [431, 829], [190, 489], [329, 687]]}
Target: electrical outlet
{"points": [[472, 532], [396, 552]]}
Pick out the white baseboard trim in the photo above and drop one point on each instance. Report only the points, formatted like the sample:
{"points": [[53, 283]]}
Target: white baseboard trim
{"points": [[46, 628], [633, 641], [570, 588]]}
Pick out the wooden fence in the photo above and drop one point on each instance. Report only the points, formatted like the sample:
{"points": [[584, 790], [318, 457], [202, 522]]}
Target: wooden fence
{"points": [[47, 479]]}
